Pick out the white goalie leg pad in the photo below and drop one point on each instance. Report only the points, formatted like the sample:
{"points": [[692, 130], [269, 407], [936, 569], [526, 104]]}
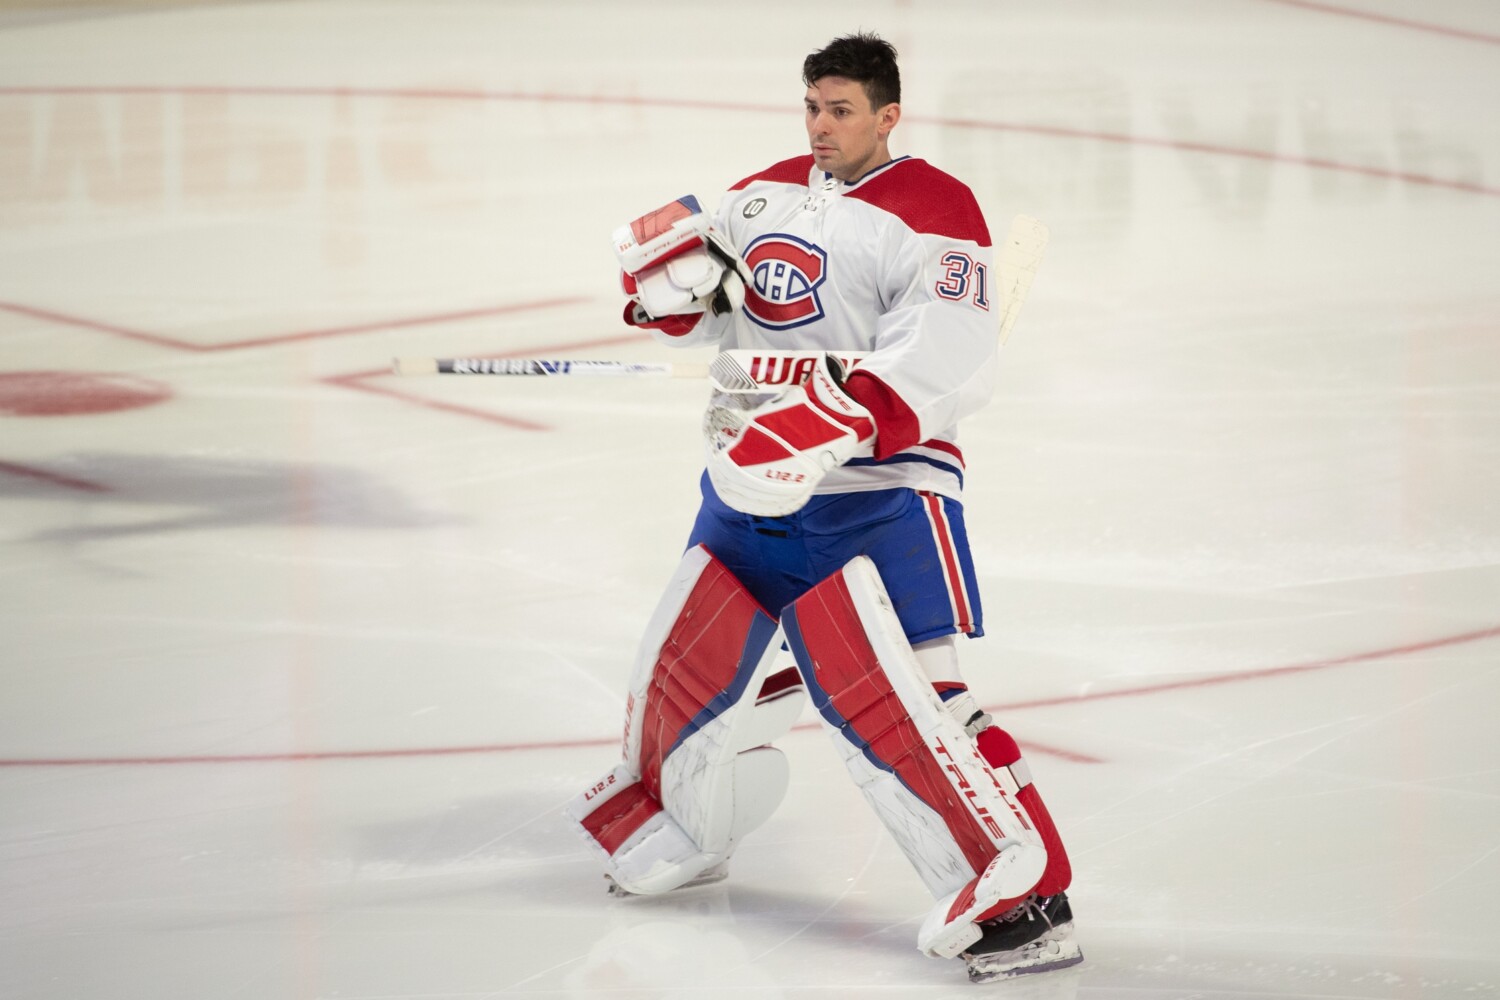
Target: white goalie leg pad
{"points": [[697, 774], [957, 820]]}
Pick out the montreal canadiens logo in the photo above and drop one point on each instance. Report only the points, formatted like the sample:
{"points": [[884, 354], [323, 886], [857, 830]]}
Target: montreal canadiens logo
{"points": [[785, 275]]}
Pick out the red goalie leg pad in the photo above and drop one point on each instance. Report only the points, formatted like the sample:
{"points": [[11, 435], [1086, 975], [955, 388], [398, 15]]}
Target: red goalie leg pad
{"points": [[702, 667], [1001, 750], [698, 772], [863, 698], [613, 823]]}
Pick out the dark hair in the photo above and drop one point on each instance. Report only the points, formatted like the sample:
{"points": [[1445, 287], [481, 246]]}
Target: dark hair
{"points": [[865, 58]]}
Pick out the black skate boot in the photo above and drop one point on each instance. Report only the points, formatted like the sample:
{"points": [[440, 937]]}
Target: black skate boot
{"points": [[1036, 936]]}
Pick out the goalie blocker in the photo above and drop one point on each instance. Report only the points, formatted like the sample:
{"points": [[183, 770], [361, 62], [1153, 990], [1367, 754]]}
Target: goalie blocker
{"points": [[698, 773]]}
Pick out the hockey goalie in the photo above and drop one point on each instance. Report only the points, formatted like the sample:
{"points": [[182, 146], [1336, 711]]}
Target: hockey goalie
{"points": [[831, 528]]}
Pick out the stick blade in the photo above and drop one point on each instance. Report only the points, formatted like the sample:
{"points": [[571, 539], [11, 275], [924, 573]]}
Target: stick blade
{"points": [[1025, 245]]}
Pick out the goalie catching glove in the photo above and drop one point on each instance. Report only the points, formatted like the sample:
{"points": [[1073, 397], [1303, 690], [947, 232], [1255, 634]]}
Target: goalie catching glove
{"points": [[768, 460], [676, 267]]}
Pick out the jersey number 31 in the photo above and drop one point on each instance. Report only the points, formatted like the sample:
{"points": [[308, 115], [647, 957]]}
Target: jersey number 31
{"points": [[964, 278]]}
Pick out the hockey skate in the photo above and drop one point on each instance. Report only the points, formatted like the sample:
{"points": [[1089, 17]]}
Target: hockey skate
{"points": [[1036, 936]]}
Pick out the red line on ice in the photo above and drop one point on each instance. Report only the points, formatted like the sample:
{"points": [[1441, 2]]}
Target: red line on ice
{"points": [[85, 323], [176, 343], [1312, 162], [656, 102], [1147, 689], [397, 324], [1400, 22], [1250, 675], [320, 755], [55, 478]]}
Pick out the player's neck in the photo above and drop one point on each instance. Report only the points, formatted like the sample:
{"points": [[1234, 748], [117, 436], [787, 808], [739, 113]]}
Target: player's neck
{"points": [[857, 172], [863, 170]]}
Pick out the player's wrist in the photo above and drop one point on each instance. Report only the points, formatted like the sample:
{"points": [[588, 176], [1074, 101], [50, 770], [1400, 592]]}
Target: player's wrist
{"points": [[827, 394]]}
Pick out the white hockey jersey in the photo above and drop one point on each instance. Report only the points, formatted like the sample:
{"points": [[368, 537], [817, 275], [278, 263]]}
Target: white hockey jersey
{"points": [[897, 263]]}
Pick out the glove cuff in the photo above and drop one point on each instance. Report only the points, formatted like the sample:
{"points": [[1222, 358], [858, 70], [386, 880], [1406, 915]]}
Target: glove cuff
{"points": [[825, 390], [672, 326]]}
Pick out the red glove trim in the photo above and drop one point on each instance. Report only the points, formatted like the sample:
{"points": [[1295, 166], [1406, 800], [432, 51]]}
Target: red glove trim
{"points": [[858, 423], [672, 326], [800, 426], [756, 447]]}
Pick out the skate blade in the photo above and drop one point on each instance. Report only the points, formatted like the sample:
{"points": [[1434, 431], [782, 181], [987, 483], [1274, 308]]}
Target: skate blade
{"points": [[1052, 956], [714, 875]]}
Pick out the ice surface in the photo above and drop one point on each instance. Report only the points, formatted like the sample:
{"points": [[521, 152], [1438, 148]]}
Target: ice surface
{"points": [[301, 663]]}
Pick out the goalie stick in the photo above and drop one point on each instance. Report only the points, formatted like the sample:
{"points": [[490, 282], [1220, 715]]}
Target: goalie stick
{"points": [[735, 370], [533, 366], [745, 370]]}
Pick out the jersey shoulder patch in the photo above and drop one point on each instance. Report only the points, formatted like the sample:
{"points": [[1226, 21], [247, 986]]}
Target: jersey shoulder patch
{"points": [[793, 171], [926, 199]]}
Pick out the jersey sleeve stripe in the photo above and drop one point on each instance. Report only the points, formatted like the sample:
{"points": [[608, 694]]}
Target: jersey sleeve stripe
{"points": [[907, 456]]}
